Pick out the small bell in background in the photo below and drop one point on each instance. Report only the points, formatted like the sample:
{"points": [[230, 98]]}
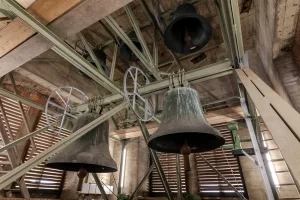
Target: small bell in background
{"points": [[126, 53], [188, 31]]}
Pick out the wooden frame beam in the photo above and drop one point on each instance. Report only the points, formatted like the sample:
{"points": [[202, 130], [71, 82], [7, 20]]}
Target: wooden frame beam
{"points": [[280, 117], [69, 24]]}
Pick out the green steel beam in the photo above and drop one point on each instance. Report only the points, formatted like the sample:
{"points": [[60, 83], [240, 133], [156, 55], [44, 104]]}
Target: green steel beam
{"points": [[219, 69], [61, 47], [21, 170], [24, 138], [90, 51], [121, 33], [154, 22], [139, 34]]}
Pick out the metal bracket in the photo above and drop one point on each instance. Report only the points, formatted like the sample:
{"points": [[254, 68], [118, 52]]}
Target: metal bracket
{"points": [[178, 80], [252, 159]]}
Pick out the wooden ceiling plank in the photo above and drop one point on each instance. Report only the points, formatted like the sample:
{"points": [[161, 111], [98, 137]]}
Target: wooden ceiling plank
{"points": [[77, 19], [18, 31]]}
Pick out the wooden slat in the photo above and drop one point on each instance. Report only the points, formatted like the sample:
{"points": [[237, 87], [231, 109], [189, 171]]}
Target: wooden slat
{"points": [[45, 11]]}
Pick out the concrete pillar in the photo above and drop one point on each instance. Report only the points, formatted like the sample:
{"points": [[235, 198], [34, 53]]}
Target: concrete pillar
{"points": [[131, 167], [142, 166], [117, 158]]}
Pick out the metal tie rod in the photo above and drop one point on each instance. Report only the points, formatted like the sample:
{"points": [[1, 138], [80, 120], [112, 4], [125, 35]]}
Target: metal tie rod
{"points": [[98, 182], [144, 179], [156, 161], [224, 179], [22, 169], [258, 155]]}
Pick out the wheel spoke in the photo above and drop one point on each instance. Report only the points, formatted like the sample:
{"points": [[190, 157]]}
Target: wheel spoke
{"points": [[70, 93], [56, 116], [131, 75], [61, 124], [56, 105], [140, 97], [61, 97], [70, 115]]}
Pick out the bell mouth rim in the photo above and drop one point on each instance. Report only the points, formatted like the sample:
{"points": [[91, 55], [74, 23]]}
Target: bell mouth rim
{"points": [[75, 167], [204, 21], [153, 140]]}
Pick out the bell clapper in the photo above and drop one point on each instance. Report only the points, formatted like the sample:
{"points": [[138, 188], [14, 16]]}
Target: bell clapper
{"points": [[186, 151], [81, 174]]}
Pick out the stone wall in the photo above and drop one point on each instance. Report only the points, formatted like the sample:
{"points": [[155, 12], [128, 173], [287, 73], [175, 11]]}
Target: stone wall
{"points": [[265, 30]]}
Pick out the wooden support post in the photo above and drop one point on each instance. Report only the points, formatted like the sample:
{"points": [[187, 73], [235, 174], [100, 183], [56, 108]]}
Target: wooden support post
{"points": [[280, 117]]}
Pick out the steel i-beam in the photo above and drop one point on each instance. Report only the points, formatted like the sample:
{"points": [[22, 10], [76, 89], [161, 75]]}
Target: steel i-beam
{"points": [[90, 51], [21, 170], [230, 23], [139, 34], [215, 70], [61, 46]]}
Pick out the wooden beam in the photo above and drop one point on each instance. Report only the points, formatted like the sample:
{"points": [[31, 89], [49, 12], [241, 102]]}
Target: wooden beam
{"points": [[213, 117], [45, 11], [280, 117], [72, 22]]}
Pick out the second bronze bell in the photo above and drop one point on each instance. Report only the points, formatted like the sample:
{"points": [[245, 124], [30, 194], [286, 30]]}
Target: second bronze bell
{"points": [[183, 122], [90, 151]]}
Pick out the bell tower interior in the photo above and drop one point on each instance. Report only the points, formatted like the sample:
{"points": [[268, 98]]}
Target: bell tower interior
{"points": [[149, 99]]}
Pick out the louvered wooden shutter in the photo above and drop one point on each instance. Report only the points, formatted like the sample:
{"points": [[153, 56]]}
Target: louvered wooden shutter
{"points": [[14, 119], [209, 182], [168, 163]]}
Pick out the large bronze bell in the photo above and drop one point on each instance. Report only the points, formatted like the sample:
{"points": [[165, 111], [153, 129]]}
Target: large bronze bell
{"points": [[89, 153], [188, 31], [184, 124], [125, 51]]}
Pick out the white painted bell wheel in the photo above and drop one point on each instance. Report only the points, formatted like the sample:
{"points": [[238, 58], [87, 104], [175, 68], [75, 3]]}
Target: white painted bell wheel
{"points": [[65, 98], [142, 107]]}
